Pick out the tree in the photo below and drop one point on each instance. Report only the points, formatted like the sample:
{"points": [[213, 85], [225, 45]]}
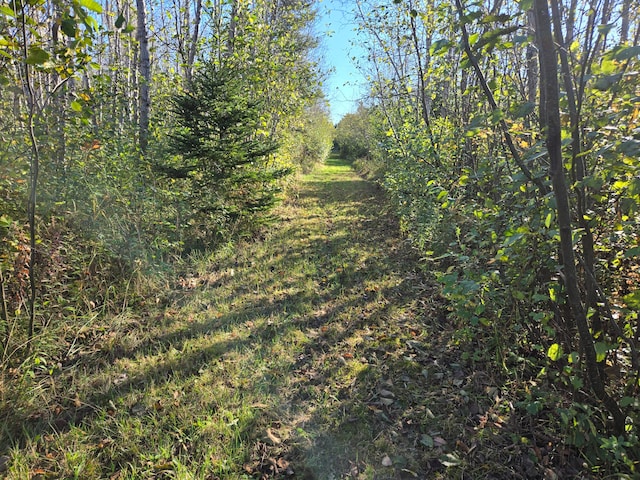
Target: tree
{"points": [[550, 116], [223, 153], [144, 82]]}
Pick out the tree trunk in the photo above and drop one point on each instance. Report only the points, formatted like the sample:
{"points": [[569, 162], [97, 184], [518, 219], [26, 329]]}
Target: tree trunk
{"points": [[193, 47], [422, 89], [624, 28], [144, 79], [551, 121]]}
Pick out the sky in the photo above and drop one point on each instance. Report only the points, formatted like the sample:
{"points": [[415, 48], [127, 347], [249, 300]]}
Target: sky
{"points": [[345, 85]]}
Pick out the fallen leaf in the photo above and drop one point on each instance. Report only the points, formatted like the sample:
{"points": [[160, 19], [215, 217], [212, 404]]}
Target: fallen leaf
{"points": [[550, 474], [163, 466], [427, 441], [104, 442], [410, 472], [386, 401], [386, 393], [386, 461], [273, 439], [460, 445], [439, 441]]}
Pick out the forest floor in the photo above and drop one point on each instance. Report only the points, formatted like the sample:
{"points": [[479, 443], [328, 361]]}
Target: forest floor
{"points": [[320, 351]]}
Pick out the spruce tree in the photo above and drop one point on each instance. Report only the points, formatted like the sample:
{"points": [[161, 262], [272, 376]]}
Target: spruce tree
{"points": [[222, 153]]}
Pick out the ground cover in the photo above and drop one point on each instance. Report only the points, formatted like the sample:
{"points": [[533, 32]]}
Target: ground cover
{"points": [[321, 350]]}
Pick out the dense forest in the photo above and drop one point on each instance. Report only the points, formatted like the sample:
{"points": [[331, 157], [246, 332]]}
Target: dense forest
{"points": [[139, 137]]}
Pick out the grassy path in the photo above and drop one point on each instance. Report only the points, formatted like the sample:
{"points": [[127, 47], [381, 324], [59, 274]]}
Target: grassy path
{"points": [[308, 354]]}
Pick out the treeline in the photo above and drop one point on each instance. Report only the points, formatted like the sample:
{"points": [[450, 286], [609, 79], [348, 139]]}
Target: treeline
{"points": [[507, 134], [133, 133]]}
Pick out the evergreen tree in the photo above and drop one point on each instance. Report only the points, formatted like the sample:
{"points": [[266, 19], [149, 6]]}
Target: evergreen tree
{"points": [[223, 153]]}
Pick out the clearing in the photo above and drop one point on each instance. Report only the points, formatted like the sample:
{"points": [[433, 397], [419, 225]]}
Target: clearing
{"points": [[319, 351]]}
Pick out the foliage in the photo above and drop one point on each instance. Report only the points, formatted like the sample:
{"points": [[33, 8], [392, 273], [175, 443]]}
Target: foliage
{"points": [[354, 134], [465, 161], [224, 161], [103, 212], [311, 142]]}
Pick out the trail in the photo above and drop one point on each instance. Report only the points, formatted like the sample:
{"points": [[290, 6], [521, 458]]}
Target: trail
{"points": [[336, 278], [319, 351]]}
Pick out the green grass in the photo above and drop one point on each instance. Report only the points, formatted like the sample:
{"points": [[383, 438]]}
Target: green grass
{"points": [[318, 351]]}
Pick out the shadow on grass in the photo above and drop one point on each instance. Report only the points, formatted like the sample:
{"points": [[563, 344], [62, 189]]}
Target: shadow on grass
{"points": [[351, 251]]}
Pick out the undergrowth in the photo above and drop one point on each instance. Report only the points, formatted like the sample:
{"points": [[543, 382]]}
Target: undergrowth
{"points": [[323, 349]]}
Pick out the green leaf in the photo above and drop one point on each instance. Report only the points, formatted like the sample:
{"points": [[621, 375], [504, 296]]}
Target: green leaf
{"points": [[5, 222], [76, 106], [525, 5], [627, 401], [605, 29], [632, 252], [523, 109], [601, 351], [426, 440], [91, 5], [440, 46], [627, 53], [633, 300], [68, 27], [577, 382], [631, 148], [501, 18], [120, 21], [555, 352], [547, 221], [37, 56], [534, 408], [606, 82], [7, 11]]}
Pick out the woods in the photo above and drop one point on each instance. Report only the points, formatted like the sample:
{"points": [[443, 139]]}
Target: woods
{"points": [[111, 100], [507, 134], [146, 149]]}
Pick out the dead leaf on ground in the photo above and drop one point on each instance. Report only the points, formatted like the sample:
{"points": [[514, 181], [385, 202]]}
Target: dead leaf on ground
{"points": [[386, 461], [271, 438], [439, 441]]}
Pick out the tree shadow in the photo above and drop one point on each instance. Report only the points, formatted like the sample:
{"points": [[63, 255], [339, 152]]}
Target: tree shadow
{"points": [[332, 305]]}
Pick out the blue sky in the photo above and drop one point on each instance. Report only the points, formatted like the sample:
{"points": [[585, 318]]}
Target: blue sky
{"points": [[345, 85]]}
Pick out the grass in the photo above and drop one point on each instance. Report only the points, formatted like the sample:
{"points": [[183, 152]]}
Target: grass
{"points": [[317, 352]]}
